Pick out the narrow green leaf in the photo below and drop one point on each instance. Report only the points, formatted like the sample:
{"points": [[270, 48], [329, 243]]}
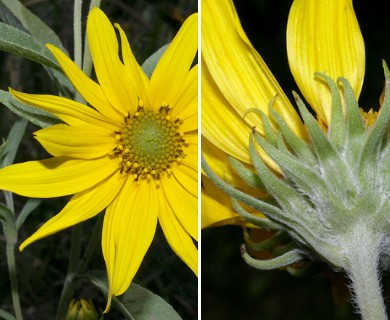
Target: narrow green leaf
{"points": [[278, 239], [20, 43], [150, 63], [246, 174], [137, 302], [299, 146], [283, 192], [5, 213], [16, 15], [30, 205], [267, 127], [13, 140], [337, 127], [6, 315], [264, 223], [8, 221], [327, 153], [275, 263], [355, 124], [378, 132], [37, 116], [8, 17], [32, 23], [270, 210]]}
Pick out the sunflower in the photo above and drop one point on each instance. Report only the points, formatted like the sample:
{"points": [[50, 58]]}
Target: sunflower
{"points": [[133, 151], [328, 176], [321, 36]]}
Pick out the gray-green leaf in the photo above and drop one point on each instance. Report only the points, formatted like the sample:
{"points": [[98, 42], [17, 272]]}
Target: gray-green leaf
{"points": [[6, 315], [137, 302], [18, 42], [8, 153], [40, 31], [150, 63], [37, 116]]}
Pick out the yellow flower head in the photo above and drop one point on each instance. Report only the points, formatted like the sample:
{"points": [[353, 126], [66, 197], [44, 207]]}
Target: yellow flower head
{"points": [[329, 189], [237, 86], [134, 153]]}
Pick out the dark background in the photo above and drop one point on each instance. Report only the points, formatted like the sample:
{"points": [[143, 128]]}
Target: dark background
{"points": [[42, 266], [230, 288]]}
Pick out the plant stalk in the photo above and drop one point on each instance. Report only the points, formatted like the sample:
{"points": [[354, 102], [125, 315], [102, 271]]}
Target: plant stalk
{"points": [[68, 288], [363, 258], [10, 248]]}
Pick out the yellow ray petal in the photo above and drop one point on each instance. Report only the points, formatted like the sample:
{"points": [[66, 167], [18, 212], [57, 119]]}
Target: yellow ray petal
{"points": [[191, 158], [218, 161], [237, 69], [128, 229], [177, 237], [187, 177], [190, 119], [88, 88], [183, 204], [186, 101], [109, 69], [82, 206], [192, 138], [218, 116], [173, 67], [135, 73], [324, 36], [55, 177], [217, 206], [69, 111], [224, 128], [85, 142]]}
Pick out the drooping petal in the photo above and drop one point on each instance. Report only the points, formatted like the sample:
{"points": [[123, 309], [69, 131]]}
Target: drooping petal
{"points": [[109, 69], [218, 116], [83, 142], [218, 161], [128, 229], [183, 204], [223, 127], [88, 88], [217, 206], [173, 67], [324, 36], [55, 177], [82, 206], [69, 111], [239, 72], [177, 237]]}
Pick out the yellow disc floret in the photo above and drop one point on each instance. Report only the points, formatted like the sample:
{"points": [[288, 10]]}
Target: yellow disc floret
{"points": [[149, 143]]}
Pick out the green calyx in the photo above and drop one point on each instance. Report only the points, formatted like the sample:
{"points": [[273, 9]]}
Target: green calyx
{"points": [[333, 185]]}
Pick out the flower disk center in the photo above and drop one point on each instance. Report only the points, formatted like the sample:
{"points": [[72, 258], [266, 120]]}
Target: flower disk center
{"points": [[149, 143]]}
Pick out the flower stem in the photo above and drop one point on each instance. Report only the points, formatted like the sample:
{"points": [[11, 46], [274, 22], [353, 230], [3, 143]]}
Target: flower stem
{"points": [[68, 288], [92, 245], [363, 256], [78, 40], [77, 33], [13, 279]]}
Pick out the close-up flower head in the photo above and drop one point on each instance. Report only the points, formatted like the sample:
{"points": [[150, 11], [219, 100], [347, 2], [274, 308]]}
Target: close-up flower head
{"points": [[307, 188], [127, 144]]}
